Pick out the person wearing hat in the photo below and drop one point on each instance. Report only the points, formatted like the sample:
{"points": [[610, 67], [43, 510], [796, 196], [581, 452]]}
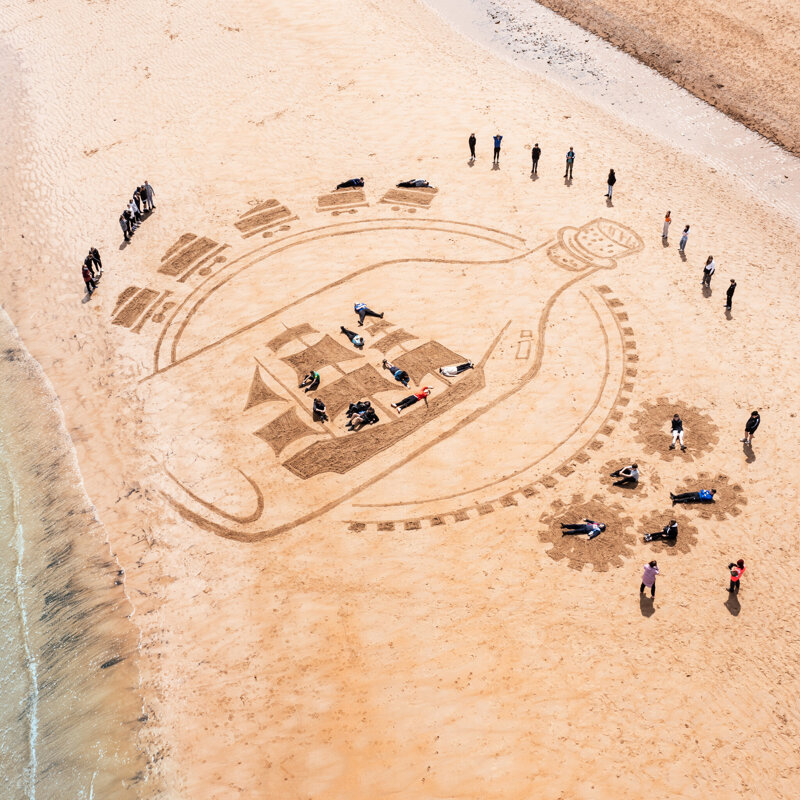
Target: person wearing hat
{"points": [[737, 570]]}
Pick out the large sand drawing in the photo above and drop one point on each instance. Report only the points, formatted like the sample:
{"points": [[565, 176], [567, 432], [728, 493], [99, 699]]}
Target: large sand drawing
{"points": [[272, 455]]}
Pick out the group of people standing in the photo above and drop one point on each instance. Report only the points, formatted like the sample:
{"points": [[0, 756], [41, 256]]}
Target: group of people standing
{"points": [[141, 203]]}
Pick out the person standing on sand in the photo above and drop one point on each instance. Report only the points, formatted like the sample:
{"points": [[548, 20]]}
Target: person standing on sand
{"points": [[684, 239], [737, 570], [123, 223], [98, 264], [649, 578], [89, 262], [729, 295], [570, 162], [751, 426], [472, 141], [88, 279], [497, 139], [667, 222], [612, 179], [149, 194], [535, 153], [708, 270]]}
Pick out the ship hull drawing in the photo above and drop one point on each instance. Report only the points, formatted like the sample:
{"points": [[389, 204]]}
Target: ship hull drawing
{"points": [[253, 462]]}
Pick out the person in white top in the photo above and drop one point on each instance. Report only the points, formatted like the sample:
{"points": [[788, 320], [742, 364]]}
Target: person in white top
{"points": [[684, 239], [667, 221], [708, 271], [628, 476]]}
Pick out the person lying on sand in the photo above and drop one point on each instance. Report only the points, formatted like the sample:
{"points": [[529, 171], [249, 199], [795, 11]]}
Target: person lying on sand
{"points": [[364, 311], [456, 369], [400, 375], [416, 183], [311, 381], [703, 496], [422, 394], [357, 340], [587, 526], [669, 533], [351, 184], [628, 476]]}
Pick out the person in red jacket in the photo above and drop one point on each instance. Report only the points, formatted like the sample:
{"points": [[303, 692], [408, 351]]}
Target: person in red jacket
{"points": [[737, 570], [413, 398], [88, 279]]}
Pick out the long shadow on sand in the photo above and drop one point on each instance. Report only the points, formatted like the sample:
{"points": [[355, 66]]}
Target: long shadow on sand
{"points": [[647, 605], [733, 605]]}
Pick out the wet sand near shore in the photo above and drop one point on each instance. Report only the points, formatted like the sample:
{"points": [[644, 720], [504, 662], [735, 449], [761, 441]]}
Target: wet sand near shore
{"points": [[410, 626]]}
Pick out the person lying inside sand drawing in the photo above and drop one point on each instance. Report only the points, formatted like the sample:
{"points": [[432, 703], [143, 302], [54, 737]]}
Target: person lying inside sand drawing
{"points": [[354, 408], [351, 184], [318, 411], [416, 183], [311, 381], [422, 394], [357, 340], [456, 369], [669, 533], [703, 496], [628, 476], [587, 526], [400, 375], [362, 311], [365, 417]]}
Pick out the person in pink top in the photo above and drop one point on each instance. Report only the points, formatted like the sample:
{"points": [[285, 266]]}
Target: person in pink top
{"points": [[649, 578], [422, 394]]}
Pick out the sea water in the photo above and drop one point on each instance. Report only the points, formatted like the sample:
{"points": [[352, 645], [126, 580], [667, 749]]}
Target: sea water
{"points": [[70, 711]]}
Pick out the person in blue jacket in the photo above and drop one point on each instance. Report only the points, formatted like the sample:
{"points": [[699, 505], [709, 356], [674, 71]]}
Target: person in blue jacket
{"points": [[703, 496], [362, 311], [497, 139]]}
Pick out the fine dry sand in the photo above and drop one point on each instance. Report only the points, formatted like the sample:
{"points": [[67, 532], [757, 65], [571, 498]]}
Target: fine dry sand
{"points": [[740, 56], [413, 626]]}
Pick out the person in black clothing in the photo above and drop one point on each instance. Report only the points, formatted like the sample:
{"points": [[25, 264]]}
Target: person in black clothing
{"points": [[472, 141], [88, 263], [96, 259], [588, 526], [414, 183], [318, 410], [355, 408], [677, 432], [351, 184], [365, 417], [358, 341], [612, 179], [703, 496], [627, 476], [535, 153], [751, 426], [669, 533], [729, 294], [88, 279]]}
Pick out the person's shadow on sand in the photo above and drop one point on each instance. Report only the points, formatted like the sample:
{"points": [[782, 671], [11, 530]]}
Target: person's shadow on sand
{"points": [[534, 176], [732, 604], [567, 181], [496, 165], [665, 243], [706, 291], [86, 298], [471, 162], [647, 605], [728, 314], [749, 455], [609, 202], [683, 256], [124, 244]]}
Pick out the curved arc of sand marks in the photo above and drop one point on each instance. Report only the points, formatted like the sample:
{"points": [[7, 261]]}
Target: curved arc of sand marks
{"points": [[252, 536], [201, 293], [565, 441], [242, 519]]}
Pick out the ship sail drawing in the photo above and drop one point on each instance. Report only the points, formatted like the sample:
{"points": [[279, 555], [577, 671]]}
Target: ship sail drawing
{"points": [[343, 450]]}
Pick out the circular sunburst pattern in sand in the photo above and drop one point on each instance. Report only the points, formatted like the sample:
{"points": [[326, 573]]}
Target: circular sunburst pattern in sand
{"points": [[653, 429], [604, 551]]}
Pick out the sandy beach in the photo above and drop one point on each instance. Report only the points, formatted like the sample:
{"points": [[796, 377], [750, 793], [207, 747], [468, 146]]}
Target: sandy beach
{"points": [[326, 614]]}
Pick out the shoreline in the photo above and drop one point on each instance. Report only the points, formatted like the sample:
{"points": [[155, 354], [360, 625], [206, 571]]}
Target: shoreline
{"points": [[537, 39]]}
